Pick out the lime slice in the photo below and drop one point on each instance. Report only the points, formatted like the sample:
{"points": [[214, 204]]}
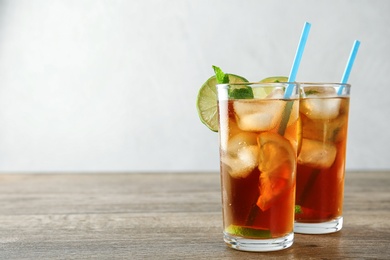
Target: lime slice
{"points": [[277, 165], [206, 102], [274, 79], [263, 92], [248, 232]]}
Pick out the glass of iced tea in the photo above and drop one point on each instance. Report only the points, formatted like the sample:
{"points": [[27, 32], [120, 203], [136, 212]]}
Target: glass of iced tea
{"points": [[321, 157], [258, 134]]}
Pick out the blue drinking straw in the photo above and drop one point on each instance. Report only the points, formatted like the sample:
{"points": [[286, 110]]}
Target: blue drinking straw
{"points": [[297, 59], [348, 68]]}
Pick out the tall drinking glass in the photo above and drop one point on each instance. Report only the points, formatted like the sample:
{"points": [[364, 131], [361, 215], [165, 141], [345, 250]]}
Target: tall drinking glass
{"points": [[258, 133], [321, 157]]}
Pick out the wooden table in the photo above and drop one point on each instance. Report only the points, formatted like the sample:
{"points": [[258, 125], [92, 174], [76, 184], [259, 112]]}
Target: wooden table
{"points": [[165, 216]]}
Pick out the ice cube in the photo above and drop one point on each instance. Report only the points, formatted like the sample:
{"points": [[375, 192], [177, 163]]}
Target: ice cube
{"points": [[317, 154], [241, 165], [258, 115], [324, 91], [320, 108], [329, 130], [337, 130], [276, 93], [240, 140]]}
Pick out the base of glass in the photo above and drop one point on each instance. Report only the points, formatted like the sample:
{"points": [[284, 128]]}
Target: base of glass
{"points": [[259, 245], [319, 228]]}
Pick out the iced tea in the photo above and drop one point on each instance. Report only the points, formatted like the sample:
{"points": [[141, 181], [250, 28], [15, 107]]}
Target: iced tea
{"points": [[258, 151], [321, 158]]}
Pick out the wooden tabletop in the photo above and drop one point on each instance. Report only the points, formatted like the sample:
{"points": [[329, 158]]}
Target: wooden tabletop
{"points": [[165, 216]]}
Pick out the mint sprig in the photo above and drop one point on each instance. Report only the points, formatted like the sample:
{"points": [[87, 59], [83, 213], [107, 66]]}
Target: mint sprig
{"points": [[222, 78], [243, 92]]}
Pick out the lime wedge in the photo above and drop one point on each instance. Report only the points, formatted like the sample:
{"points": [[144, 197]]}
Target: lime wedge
{"points": [[206, 102], [248, 232], [263, 92]]}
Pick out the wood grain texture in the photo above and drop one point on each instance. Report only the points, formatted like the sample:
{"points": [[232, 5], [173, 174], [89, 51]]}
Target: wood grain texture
{"points": [[165, 216]]}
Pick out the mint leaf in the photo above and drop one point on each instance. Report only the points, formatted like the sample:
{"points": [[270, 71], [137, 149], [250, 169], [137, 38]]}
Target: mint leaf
{"points": [[298, 209], [238, 93], [222, 78], [241, 93], [311, 92]]}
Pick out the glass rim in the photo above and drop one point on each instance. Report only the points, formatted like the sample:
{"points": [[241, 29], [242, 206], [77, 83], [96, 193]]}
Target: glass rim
{"points": [[250, 84], [319, 84], [286, 82]]}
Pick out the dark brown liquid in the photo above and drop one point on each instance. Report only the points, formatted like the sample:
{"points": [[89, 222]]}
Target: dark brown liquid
{"points": [[240, 195], [320, 190]]}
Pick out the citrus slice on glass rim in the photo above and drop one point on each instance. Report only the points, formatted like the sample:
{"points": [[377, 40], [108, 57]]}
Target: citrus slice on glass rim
{"points": [[264, 91], [206, 102]]}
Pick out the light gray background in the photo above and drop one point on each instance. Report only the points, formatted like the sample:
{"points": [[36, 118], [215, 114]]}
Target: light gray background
{"points": [[111, 85]]}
